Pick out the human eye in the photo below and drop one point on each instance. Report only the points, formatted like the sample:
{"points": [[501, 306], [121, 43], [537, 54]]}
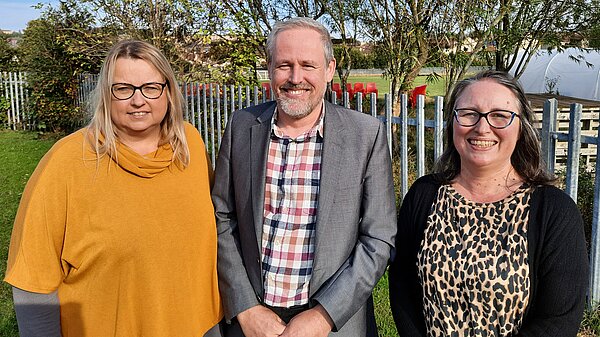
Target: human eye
{"points": [[466, 113], [122, 88], [151, 88], [500, 115]]}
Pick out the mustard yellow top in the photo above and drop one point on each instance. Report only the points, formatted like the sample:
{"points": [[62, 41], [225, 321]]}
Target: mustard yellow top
{"points": [[131, 247]]}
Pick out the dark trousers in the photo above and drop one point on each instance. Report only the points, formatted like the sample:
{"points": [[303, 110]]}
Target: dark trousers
{"points": [[286, 314]]}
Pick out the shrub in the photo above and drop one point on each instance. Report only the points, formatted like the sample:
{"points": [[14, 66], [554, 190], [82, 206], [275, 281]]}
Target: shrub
{"points": [[585, 199], [4, 106]]}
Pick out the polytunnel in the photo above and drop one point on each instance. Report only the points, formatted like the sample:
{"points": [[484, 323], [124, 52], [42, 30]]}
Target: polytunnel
{"points": [[572, 72]]}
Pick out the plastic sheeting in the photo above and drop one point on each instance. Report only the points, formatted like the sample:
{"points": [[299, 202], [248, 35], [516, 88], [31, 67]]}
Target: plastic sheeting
{"points": [[558, 73]]}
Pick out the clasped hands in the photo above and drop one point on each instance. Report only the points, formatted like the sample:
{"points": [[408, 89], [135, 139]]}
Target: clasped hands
{"points": [[259, 321]]}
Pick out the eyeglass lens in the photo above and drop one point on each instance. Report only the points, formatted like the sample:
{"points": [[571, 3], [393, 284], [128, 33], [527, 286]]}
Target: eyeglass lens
{"points": [[498, 118], [124, 91]]}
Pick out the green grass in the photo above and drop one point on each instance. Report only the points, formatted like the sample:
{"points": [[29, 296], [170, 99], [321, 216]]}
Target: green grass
{"points": [[19, 154], [383, 313]]}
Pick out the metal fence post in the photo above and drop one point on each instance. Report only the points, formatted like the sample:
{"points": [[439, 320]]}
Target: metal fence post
{"points": [[388, 120], [404, 144], [218, 94], [247, 96], [594, 295], [205, 113], [574, 148], [438, 128], [373, 104], [548, 138], [420, 135], [212, 124]]}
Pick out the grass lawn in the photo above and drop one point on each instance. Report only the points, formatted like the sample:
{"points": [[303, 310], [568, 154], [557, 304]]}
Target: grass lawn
{"points": [[19, 154]]}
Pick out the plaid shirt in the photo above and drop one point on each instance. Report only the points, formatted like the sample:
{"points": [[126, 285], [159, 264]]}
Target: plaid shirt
{"points": [[290, 214]]}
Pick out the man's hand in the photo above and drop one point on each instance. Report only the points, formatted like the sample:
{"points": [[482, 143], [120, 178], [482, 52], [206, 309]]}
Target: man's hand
{"points": [[259, 321], [313, 322]]}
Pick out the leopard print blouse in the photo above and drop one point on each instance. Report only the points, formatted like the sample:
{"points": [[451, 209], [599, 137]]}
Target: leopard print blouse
{"points": [[473, 265]]}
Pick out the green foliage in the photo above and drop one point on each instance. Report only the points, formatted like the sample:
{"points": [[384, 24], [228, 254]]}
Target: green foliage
{"points": [[237, 60], [585, 199], [4, 106], [360, 60], [383, 313], [55, 50], [593, 37], [7, 54]]}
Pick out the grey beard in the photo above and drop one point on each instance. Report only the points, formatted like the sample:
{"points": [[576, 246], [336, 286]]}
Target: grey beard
{"points": [[293, 108]]}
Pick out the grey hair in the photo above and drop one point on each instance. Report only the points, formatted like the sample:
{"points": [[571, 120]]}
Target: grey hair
{"points": [[300, 22], [526, 157]]}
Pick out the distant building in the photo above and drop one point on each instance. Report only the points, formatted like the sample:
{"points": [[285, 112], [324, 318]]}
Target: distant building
{"points": [[13, 41]]}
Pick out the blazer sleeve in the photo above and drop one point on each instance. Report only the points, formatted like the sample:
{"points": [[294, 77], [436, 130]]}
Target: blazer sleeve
{"points": [[560, 282], [348, 289], [236, 290], [406, 294]]}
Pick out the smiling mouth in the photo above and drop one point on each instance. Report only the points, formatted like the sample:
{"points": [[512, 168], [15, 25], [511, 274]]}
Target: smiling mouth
{"points": [[295, 91], [138, 113], [482, 143]]}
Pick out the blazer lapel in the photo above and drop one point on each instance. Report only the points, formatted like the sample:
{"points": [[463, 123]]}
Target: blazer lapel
{"points": [[259, 138], [333, 125]]}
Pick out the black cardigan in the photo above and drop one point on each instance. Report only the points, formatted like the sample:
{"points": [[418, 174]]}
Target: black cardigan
{"points": [[558, 263]]}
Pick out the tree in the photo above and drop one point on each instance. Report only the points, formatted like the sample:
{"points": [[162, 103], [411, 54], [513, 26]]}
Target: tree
{"points": [[343, 18], [55, 49], [528, 26], [7, 54], [504, 32], [402, 29], [197, 37], [462, 35]]}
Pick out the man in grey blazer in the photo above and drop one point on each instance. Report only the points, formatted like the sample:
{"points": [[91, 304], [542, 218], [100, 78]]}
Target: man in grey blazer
{"points": [[304, 201]]}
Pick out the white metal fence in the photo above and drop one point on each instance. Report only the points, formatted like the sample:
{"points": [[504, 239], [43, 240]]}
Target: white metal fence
{"points": [[210, 105], [13, 101]]}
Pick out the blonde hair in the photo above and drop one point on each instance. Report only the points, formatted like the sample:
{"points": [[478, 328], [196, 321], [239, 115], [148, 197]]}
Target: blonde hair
{"points": [[102, 132]]}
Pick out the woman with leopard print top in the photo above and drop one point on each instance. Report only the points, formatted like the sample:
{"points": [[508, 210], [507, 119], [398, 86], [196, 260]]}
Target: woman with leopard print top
{"points": [[487, 246]]}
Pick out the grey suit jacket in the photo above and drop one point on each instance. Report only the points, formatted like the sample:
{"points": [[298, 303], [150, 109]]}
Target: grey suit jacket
{"points": [[356, 215]]}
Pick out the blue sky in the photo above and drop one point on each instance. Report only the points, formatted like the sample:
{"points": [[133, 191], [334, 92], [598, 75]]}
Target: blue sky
{"points": [[14, 14]]}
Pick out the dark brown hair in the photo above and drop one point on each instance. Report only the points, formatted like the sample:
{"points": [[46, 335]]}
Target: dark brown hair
{"points": [[526, 158]]}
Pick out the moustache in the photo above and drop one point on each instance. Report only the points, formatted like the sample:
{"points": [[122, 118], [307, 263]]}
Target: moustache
{"points": [[295, 87]]}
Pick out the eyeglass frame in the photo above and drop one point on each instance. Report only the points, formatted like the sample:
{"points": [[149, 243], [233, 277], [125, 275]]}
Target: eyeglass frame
{"points": [[162, 89], [485, 115]]}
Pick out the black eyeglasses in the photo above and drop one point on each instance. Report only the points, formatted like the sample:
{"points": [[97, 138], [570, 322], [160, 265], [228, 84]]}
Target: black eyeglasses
{"points": [[498, 119], [123, 91]]}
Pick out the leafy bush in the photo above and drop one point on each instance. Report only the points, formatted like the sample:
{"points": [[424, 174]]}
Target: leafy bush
{"points": [[585, 199], [4, 106]]}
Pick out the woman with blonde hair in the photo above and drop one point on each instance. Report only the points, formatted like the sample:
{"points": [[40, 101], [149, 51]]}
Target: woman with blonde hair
{"points": [[115, 234]]}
